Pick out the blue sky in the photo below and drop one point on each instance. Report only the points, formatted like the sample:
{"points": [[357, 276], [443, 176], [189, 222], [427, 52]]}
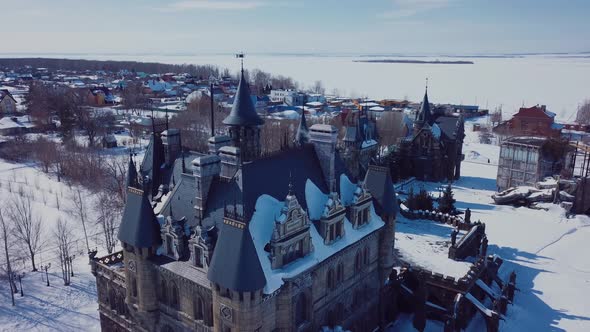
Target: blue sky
{"points": [[308, 26]]}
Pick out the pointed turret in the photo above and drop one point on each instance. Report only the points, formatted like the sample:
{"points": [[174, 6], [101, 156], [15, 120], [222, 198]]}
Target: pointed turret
{"points": [[244, 123], [424, 115], [139, 226], [243, 112], [132, 174], [302, 135]]}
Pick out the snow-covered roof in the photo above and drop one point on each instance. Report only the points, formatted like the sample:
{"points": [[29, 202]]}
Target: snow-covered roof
{"points": [[435, 130], [262, 225]]}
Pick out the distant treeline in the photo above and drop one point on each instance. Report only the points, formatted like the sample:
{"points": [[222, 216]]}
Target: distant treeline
{"points": [[109, 65]]}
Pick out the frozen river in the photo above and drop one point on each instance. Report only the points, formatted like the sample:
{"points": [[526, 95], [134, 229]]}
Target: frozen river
{"points": [[559, 81]]}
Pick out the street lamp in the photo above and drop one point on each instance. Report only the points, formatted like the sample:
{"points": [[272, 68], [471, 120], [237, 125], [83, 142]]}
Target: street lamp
{"points": [[46, 267], [21, 283], [70, 259]]}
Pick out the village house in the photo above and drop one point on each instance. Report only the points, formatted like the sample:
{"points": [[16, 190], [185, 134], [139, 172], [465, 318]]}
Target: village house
{"points": [[531, 121], [7, 102]]}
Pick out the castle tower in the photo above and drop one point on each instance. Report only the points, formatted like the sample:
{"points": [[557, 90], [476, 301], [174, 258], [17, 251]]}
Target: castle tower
{"points": [[424, 116], [378, 182], [244, 123], [237, 279], [139, 234]]}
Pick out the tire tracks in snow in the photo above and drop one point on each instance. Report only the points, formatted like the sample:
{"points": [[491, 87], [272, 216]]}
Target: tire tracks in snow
{"points": [[571, 231]]}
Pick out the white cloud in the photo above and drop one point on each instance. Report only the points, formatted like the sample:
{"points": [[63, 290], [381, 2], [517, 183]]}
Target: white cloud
{"points": [[214, 5], [408, 8]]}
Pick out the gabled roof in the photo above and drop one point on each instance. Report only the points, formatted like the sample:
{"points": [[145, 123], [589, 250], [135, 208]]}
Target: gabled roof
{"points": [[5, 93], [534, 112], [235, 263], [243, 112], [378, 182], [139, 226]]}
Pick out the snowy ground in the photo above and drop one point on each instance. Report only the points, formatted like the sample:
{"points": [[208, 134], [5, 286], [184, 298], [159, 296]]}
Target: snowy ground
{"points": [[57, 307], [546, 249]]}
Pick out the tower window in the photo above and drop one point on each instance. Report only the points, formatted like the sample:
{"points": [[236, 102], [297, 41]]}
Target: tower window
{"points": [[198, 256]]}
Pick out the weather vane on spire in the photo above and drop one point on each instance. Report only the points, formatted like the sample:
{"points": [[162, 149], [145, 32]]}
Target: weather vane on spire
{"points": [[241, 57]]}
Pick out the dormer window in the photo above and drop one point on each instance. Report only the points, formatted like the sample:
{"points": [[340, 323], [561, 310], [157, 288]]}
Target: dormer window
{"points": [[332, 220], [291, 238], [359, 211]]}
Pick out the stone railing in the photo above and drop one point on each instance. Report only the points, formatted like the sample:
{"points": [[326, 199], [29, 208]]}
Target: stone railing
{"points": [[444, 218]]}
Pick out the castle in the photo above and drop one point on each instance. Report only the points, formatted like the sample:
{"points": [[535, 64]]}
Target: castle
{"points": [[299, 240], [236, 241]]}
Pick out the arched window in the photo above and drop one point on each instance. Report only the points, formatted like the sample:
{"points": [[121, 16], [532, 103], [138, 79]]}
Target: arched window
{"points": [[133, 287], [358, 261], [340, 273], [330, 278], [163, 293], [198, 308], [112, 299], [300, 309], [173, 295], [121, 306], [366, 256], [339, 312]]}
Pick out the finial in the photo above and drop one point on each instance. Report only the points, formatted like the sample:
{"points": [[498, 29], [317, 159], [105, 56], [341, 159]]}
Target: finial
{"points": [[241, 57], [290, 183], [426, 83]]}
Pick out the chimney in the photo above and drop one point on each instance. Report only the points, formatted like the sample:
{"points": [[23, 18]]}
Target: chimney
{"points": [[217, 142], [205, 169], [230, 161], [324, 138], [171, 142]]}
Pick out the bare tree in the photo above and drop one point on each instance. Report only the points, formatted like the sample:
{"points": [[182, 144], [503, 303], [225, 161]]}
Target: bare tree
{"points": [[27, 226], [116, 173], [5, 231], [45, 151], [318, 87], [583, 115], [63, 235], [108, 218], [80, 210]]}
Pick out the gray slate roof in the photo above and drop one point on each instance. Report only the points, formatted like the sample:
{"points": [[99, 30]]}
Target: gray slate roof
{"points": [[424, 115], [139, 226], [235, 263], [378, 182], [243, 112]]}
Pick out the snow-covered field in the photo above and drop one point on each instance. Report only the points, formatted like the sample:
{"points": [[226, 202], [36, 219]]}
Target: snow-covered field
{"points": [[57, 307]]}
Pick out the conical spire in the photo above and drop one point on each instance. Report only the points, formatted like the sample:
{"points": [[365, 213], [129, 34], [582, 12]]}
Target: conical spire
{"points": [[424, 116], [243, 112], [302, 135], [132, 174]]}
